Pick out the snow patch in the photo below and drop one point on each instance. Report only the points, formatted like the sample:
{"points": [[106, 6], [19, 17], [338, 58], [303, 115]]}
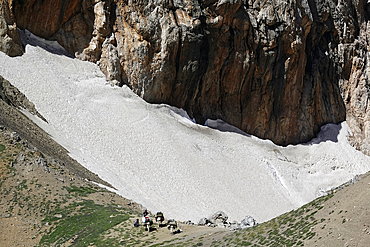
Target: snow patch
{"points": [[157, 156]]}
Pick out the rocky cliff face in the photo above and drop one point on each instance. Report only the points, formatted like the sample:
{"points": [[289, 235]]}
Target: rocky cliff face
{"points": [[276, 69], [10, 43], [356, 84]]}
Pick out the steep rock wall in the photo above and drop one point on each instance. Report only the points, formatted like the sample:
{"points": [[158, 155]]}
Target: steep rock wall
{"points": [[356, 85], [10, 42], [271, 68]]}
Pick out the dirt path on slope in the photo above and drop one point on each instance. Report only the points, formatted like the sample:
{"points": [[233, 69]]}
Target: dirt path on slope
{"points": [[191, 235]]}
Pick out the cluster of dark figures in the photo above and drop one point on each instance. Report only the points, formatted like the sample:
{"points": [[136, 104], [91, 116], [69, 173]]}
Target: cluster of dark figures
{"points": [[159, 218]]}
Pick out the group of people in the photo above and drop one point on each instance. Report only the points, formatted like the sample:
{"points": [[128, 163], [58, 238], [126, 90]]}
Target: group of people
{"points": [[146, 221]]}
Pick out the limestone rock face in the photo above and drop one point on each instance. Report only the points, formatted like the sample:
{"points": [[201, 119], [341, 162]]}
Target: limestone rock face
{"points": [[275, 69], [260, 66], [10, 43], [44, 18], [356, 85]]}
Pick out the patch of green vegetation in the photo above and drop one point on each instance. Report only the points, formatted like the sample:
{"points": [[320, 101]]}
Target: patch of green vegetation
{"points": [[23, 185], [245, 243], [86, 220], [2, 147], [80, 191], [289, 229], [11, 169]]}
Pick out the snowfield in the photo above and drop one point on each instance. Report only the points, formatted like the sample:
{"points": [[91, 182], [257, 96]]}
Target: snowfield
{"points": [[156, 156]]}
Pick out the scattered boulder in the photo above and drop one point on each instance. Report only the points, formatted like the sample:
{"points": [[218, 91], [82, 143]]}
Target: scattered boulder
{"points": [[355, 179], [247, 222], [42, 161], [60, 179], [21, 157], [234, 226], [7, 215], [203, 221], [218, 217], [15, 136]]}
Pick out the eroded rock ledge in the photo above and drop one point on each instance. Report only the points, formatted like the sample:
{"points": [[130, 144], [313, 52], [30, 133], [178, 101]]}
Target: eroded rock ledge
{"points": [[276, 69], [10, 43]]}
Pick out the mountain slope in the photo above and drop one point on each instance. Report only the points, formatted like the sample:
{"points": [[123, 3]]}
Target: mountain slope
{"points": [[341, 218], [156, 156]]}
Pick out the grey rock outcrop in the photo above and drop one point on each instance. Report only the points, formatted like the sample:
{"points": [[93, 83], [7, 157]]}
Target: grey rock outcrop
{"points": [[7, 215], [247, 222], [10, 43], [203, 222], [218, 217]]}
